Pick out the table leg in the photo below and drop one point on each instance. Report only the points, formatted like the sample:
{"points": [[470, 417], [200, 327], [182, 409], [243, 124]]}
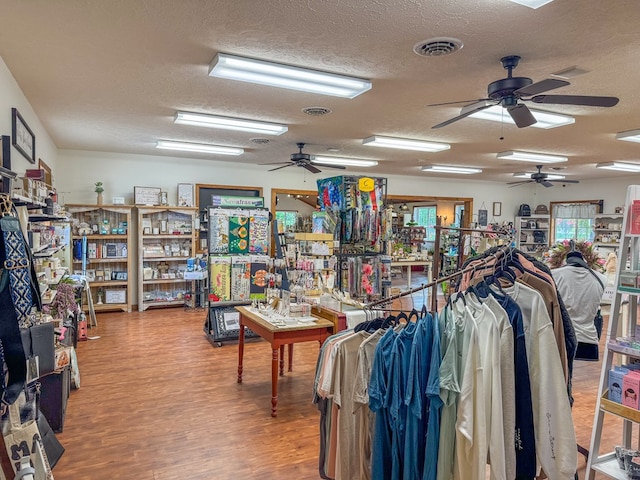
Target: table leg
{"points": [[274, 381], [281, 360], [291, 357], [409, 276], [240, 350]]}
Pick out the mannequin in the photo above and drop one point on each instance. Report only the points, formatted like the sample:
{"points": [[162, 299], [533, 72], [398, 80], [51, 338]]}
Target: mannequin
{"points": [[581, 289]]}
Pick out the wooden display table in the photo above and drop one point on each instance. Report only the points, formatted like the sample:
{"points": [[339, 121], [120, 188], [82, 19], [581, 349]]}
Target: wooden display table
{"points": [[278, 337]]}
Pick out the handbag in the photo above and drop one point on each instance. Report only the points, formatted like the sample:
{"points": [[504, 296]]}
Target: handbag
{"points": [[24, 440]]}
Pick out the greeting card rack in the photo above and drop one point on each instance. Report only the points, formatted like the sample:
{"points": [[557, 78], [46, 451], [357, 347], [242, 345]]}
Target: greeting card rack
{"points": [[238, 241]]}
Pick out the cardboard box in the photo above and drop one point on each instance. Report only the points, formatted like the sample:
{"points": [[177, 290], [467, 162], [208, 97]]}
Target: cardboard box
{"points": [[616, 377], [631, 390]]}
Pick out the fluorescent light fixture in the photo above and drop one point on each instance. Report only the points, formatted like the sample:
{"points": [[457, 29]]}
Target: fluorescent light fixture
{"points": [[199, 147], [405, 144], [532, 3], [347, 162], [531, 157], [450, 169], [544, 119], [629, 136], [229, 123], [286, 76], [550, 176], [620, 166]]}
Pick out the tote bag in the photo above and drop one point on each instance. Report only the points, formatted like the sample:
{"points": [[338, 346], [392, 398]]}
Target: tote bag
{"points": [[24, 439]]}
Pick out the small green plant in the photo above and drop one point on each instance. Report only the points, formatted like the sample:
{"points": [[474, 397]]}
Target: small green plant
{"points": [[99, 187]]}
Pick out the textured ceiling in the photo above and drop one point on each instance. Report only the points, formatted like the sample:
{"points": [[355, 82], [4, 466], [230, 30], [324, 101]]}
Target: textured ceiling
{"points": [[110, 75]]}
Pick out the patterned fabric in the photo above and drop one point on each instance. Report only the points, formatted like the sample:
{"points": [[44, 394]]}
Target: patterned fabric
{"points": [[17, 264]]}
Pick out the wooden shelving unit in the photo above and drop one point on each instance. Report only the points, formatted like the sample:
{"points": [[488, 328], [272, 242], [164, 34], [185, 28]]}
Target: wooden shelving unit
{"points": [[116, 292], [607, 231], [526, 239], [166, 239]]}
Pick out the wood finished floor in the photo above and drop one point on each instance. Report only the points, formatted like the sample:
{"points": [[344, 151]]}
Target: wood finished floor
{"points": [[159, 402]]}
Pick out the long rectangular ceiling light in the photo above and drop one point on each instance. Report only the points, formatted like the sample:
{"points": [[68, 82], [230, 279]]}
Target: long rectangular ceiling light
{"points": [[346, 162], [229, 123], [199, 147], [450, 169], [531, 157], [544, 119], [286, 76], [629, 136], [532, 3], [620, 166], [405, 144], [550, 176]]}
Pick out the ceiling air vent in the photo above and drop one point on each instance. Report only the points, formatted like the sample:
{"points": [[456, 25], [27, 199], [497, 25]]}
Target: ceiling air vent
{"points": [[260, 141], [436, 47], [316, 111]]}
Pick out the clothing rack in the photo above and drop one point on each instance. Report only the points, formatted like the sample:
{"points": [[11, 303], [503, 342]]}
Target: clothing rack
{"points": [[435, 283]]}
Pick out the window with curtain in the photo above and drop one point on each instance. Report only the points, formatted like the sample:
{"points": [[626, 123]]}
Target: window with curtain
{"points": [[426, 217], [573, 221], [286, 220]]}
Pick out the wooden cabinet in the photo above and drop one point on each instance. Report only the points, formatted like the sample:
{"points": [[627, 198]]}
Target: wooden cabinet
{"points": [[166, 239], [107, 250]]}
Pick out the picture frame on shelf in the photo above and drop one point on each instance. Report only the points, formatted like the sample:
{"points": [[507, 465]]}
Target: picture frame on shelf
{"points": [[146, 195], [186, 194], [23, 137], [497, 209]]}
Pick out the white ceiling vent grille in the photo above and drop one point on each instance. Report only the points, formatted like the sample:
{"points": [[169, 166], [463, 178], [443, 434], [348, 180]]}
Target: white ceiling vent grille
{"points": [[260, 141], [316, 111], [437, 47]]}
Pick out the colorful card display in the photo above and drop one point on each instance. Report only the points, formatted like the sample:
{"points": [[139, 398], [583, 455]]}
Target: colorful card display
{"points": [[238, 234], [259, 232], [220, 278], [259, 273], [240, 278]]}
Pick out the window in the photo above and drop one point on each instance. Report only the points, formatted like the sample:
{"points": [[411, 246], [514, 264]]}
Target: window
{"points": [[573, 221], [573, 229], [286, 220], [426, 217]]}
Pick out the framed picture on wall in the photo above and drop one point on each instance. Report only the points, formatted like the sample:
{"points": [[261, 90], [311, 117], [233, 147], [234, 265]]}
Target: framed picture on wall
{"points": [[22, 137], [186, 193]]}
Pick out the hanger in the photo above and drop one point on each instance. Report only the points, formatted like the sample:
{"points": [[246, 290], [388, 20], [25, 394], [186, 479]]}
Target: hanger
{"points": [[424, 312]]}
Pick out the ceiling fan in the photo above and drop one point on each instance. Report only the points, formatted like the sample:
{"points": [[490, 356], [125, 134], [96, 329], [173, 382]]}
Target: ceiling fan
{"points": [[510, 91], [301, 159], [541, 178]]}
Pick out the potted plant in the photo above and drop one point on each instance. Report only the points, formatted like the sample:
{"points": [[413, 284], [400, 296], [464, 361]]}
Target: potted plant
{"points": [[99, 189]]}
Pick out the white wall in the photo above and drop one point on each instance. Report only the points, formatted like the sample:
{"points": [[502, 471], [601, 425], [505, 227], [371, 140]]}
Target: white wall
{"points": [[11, 96]]}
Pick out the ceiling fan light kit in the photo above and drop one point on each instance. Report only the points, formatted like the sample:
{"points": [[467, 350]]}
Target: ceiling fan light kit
{"points": [[550, 176], [620, 166], [405, 144], [531, 157], [629, 136], [532, 3], [347, 162], [286, 76], [229, 123], [199, 147], [450, 169]]}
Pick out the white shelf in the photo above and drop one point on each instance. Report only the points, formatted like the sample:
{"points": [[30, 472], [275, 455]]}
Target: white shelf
{"points": [[608, 465]]}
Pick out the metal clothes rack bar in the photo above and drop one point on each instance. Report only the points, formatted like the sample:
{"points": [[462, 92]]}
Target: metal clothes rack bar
{"points": [[435, 283]]}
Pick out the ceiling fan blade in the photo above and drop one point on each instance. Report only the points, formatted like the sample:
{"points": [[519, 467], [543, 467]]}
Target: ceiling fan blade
{"points": [[341, 167], [274, 163], [470, 110], [515, 184], [284, 166], [521, 115], [585, 100], [311, 168], [461, 101], [541, 86], [546, 183]]}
